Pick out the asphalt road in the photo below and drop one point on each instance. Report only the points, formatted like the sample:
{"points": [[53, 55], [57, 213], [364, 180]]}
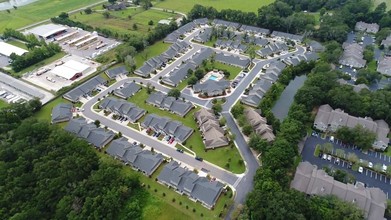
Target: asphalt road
{"points": [[243, 183], [368, 177], [168, 150]]}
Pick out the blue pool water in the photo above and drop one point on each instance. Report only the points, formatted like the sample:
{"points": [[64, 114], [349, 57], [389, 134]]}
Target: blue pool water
{"points": [[213, 78]]}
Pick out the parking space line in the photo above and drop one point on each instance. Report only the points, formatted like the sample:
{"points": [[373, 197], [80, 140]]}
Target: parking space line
{"points": [[371, 174], [375, 175], [366, 173], [380, 156], [380, 177]]}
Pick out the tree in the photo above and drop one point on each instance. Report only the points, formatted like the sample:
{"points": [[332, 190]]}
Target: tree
{"points": [[251, 53], [174, 93], [247, 129], [130, 62], [135, 27], [146, 4], [63, 15], [199, 73], [258, 144], [237, 110], [217, 108], [192, 81], [88, 11], [150, 22], [368, 53], [328, 147], [122, 52], [97, 123], [352, 157], [106, 14]]}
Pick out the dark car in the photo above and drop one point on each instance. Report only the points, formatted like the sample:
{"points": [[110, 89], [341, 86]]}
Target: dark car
{"points": [[179, 150], [199, 158], [350, 165]]}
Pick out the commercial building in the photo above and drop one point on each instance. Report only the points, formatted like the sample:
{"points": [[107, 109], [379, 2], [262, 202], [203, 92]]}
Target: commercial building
{"points": [[48, 31], [71, 70], [8, 49], [308, 179], [328, 119]]}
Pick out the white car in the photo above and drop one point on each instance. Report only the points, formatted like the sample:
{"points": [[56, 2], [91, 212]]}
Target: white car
{"points": [[360, 169], [329, 157], [384, 168], [370, 165], [324, 157]]}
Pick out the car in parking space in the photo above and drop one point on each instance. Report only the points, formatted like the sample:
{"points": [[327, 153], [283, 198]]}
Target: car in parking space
{"points": [[329, 157], [135, 143], [168, 138], [384, 168], [179, 150], [171, 140], [199, 158], [337, 161], [350, 164], [370, 164], [360, 169], [324, 157], [158, 134]]}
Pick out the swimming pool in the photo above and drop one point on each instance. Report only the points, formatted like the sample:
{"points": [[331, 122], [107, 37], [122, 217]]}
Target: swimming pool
{"points": [[213, 78]]}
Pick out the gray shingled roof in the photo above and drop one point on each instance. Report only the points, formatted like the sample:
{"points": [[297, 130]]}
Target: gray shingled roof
{"points": [[84, 89], [232, 60], [134, 155], [168, 126], [62, 112], [211, 87], [294, 37], [177, 75], [128, 90], [98, 137], [178, 106], [123, 108], [112, 73], [185, 181]]}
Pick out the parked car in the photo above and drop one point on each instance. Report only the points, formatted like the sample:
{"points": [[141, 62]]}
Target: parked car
{"points": [[384, 168], [337, 161], [179, 150], [329, 157], [199, 158], [350, 165], [324, 157], [360, 169], [168, 138], [370, 165]]}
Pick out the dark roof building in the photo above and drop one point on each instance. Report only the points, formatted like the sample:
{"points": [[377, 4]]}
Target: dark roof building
{"points": [[178, 75], [254, 30], [203, 36], [287, 36], [113, 73], [168, 127], [309, 180], [162, 101], [213, 134], [98, 137], [85, 89], [211, 87], [139, 159], [127, 90], [232, 60], [61, 112], [123, 108], [189, 183]]}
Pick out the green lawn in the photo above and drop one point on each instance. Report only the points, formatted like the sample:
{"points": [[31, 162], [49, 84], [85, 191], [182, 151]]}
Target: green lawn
{"points": [[18, 44], [40, 64], [187, 5], [232, 69], [220, 156], [38, 11], [120, 22], [151, 51], [46, 110], [162, 207], [3, 104]]}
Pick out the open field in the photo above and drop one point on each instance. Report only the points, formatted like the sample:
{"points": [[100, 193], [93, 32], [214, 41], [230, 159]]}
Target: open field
{"points": [[149, 52], [122, 22], [219, 156], [38, 11], [187, 5]]}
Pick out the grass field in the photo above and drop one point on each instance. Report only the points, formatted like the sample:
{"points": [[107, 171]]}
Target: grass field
{"points": [[187, 5], [120, 22], [388, 2], [38, 11], [220, 156], [18, 44]]}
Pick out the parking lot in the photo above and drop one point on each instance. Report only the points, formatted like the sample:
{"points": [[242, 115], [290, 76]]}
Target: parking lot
{"points": [[369, 177], [51, 81]]}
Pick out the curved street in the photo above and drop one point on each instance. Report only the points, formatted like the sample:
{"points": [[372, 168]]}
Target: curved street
{"points": [[241, 183]]}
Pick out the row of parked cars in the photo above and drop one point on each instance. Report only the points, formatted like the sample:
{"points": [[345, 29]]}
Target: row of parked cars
{"points": [[350, 164]]}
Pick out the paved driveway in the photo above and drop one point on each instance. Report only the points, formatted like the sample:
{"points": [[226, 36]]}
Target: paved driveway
{"points": [[368, 177]]}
